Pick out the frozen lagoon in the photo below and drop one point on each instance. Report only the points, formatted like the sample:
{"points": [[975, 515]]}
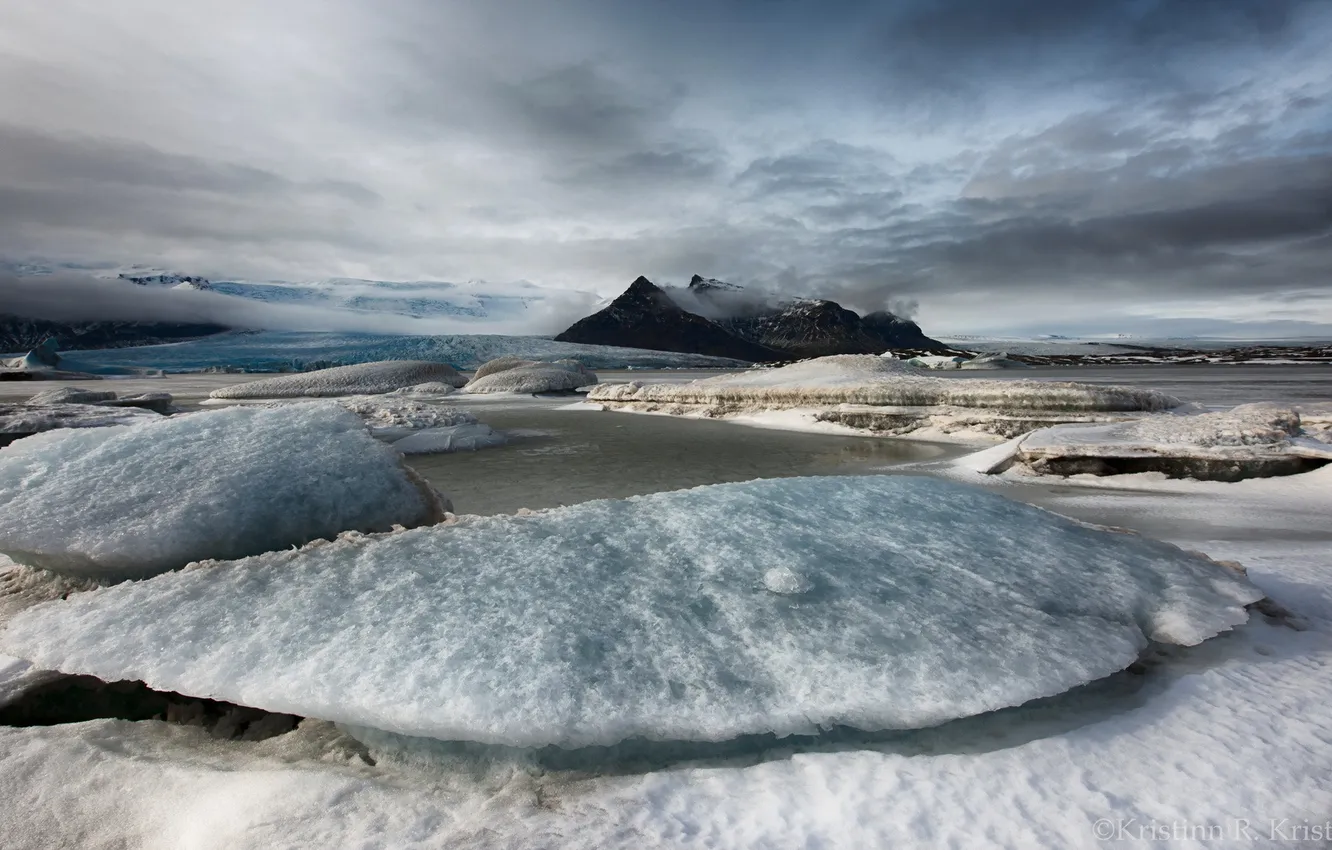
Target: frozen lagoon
{"points": [[1234, 730]]}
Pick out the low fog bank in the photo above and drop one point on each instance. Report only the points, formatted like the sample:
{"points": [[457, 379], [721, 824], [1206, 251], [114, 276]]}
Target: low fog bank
{"points": [[72, 297]]}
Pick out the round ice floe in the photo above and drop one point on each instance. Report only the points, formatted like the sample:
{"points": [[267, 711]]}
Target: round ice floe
{"points": [[518, 376], [360, 379], [650, 616], [124, 502]]}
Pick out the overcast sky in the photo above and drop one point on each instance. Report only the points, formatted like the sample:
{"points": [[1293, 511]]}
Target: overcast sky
{"points": [[1020, 165]]}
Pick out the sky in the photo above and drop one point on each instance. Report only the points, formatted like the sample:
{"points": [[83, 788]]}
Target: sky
{"points": [[987, 166]]}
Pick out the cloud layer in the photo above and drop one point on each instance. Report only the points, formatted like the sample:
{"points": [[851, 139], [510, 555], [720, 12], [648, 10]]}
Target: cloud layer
{"points": [[1004, 164]]}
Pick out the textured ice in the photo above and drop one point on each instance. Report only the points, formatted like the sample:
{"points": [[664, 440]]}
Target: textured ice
{"points": [[133, 501], [33, 419], [72, 395], [361, 379], [393, 416], [871, 380], [653, 617], [510, 375], [456, 438], [1233, 444], [428, 388], [157, 402]]}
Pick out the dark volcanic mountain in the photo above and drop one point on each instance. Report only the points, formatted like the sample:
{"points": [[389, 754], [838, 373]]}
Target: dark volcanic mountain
{"points": [[645, 317], [810, 329], [19, 334], [807, 327], [899, 332]]}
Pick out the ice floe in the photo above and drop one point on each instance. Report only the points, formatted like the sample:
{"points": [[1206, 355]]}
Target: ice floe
{"points": [[887, 396], [132, 501], [1249, 441], [779, 606], [24, 420], [383, 376], [512, 375], [453, 438]]}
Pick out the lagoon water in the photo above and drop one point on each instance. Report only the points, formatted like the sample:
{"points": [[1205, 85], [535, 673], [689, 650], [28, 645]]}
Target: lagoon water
{"points": [[559, 456]]}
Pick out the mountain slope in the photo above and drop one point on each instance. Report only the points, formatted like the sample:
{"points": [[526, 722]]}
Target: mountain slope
{"points": [[19, 334], [645, 317]]}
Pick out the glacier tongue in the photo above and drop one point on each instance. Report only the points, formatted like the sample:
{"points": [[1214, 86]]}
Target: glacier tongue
{"points": [[781, 605]]}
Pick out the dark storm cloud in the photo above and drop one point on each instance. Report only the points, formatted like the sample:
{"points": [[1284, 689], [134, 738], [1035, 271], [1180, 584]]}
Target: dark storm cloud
{"points": [[1033, 150]]}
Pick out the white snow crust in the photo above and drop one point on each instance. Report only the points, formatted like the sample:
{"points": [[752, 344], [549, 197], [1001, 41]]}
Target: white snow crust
{"points": [[652, 617], [361, 379], [132, 501], [871, 380]]}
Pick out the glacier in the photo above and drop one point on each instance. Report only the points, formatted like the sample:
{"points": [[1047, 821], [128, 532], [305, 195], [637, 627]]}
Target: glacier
{"points": [[383, 376], [782, 606], [285, 351], [131, 501]]}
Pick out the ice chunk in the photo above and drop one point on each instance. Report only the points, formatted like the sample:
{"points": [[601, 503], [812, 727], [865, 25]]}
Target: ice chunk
{"points": [[1254, 440], [456, 438], [509, 375], [362, 379], [871, 380], [651, 616], [156, 402], [133, 501], [72, 395], [392, 417], [22, 420], [500, 364]]}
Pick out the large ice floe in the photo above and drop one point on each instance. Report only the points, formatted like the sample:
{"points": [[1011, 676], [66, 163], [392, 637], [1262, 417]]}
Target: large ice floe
{"points": [[136, 500], [361, 379], [888, 396], [782, 606], [514, 375], [1249, 441]]}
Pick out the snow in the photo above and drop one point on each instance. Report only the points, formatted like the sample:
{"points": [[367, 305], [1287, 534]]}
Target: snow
{"points": [[871, 380], [359, 379], [132, 501], [511, 375], [651, 618], [284, 351]]}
